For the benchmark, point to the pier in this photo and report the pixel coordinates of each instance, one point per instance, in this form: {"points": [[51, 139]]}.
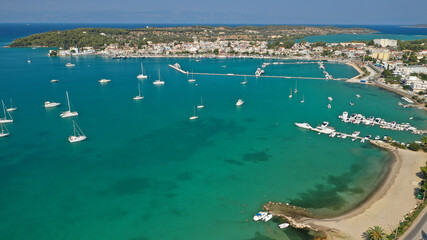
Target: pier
{"points": [[250, 75]]}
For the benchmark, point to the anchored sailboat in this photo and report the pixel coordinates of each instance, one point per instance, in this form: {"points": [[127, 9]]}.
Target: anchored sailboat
{"points": [[244, 81], [201, 103], [296, 86], [68, 113], [194, 116], [139, 97], [192, 78], [142, 76], [302, 101], [290, 95], [4, 132], [78, 134], [11, 109], [6, 113], [159, 81]]}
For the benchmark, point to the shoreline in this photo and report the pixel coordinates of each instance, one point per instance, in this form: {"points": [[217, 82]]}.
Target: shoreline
{"points": [[395, 191]]}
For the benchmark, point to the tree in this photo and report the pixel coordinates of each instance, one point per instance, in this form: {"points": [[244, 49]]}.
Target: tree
{"points": [[414, 146], [375, 233]]}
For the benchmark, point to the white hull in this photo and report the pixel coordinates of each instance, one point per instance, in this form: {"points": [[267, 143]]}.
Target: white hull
{"points": [[68, 114], [200, 106], [70, 65], [4, 135], [104, 81], [158, 82], [6, 120], [304, 125], [194, 117], [239, 102], [191, 80], [138, 98], [11, 109], [141, 76], [51, 104], [260, 216], [283, 225], [54, 81], [268, 217], [73, 139]]}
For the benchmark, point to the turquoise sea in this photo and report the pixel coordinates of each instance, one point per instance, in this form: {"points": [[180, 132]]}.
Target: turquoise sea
{"points": [[148, 172]]}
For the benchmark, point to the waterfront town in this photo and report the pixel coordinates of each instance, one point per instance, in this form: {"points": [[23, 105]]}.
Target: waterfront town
{"points": [[406, 70]]}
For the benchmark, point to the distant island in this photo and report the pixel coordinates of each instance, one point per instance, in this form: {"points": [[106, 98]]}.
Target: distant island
{"points": [[102, 37], [416, 26]]}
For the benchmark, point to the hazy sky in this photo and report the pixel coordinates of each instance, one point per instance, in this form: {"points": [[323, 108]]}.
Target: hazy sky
{"points": [[216, 11]]}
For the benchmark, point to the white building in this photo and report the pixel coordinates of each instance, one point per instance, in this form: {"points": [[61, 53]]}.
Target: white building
{"points": [[386, 42]]}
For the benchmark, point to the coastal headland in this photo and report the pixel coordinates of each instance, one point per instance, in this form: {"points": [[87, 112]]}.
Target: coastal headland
{"points": [[385, 207]]}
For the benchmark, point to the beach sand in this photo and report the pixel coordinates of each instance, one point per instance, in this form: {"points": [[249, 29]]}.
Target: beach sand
{"points": [[387, 206]]}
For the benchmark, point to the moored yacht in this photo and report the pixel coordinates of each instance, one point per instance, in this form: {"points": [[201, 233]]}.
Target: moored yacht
{"points": [[201, 103], [239, 102], [290, 95], [330, 99], [159, 81], [141, 76], [260, 216], [70, 64], [5, 114], [54, 80], [4, 132], [304, 125], [103, 80], [78, 134], [194, 117], [139, 97], [192, 78], [49, 104], [12, 108], [68, 113]]}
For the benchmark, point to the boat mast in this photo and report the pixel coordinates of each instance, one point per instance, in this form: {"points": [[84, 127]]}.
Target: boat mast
{"points": [[4, 109], [194, 111], [139, 89], [74, 126], [142, 70], [68, 100]]}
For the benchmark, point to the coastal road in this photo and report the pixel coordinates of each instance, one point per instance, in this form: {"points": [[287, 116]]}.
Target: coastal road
{"points": [[418, 231]]}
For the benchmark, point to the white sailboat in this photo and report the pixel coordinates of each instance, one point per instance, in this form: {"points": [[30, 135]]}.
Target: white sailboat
{"points": [[194, 117], [78, 134], [70, 64], [4, 132], [11, 109], [142, 76], [296, 86], [239, 102], [5, 120], [201, 103], [244, 81], [54, 80], [159, 81], [139, 97], [329, 106], [192, 78], [330, 99], [103, 80], [68, 113], [302, 101], [49, 104], [29, 60], [290, 95]]}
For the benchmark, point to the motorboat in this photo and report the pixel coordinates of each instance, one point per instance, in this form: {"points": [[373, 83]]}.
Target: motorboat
{"points": [[103, 80], [283, 225], [49, 104], [330, 99], [357, 95], [239, 102], [329, 106], [268, 217], [304, 125], [54, 80], [260, 216]]}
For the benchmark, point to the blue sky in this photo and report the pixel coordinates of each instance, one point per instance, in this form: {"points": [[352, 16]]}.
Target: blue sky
{"points": [[216, 11]]}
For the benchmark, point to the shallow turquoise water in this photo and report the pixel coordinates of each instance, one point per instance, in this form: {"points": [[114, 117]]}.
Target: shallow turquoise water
{"points": [[147, 172]]}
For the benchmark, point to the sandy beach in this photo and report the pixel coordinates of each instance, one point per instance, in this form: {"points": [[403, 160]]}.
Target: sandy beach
{"points": [[387, 206]]}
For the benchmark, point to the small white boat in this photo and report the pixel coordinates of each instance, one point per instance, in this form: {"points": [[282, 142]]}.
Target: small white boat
{"points": [[357, 95], [201, 103], [363, 140], [54, 80], [5, 114], [260, 216], [68, 113], [239, 102], [304, 125], [4, 132], [244, 81], [290, 95], [28, 61], [159, 81], [329, 106], [377, 137], [354, 139], [330, 99], [78, 134], [296, 85], [351, 103], [283, 225], [70, 64], [142, 76], [103, 80], [302, 101], [12, 108], [194, 117], [268, 217], [344, 136], [49, 104], [192, 78], [139, 97]]}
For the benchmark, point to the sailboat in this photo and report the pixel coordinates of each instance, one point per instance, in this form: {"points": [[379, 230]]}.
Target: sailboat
{"points": [[28, 61], [201, 103], [70, 64], [192, 78], [329, 106], [290, 95], [139, 97], [5, 120], [78, 134], [244, 81], [302, 101], [194, 116], [11, 109], [159, 81], [4, 132], [142, 76], [296, 85], [68, 113]]}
